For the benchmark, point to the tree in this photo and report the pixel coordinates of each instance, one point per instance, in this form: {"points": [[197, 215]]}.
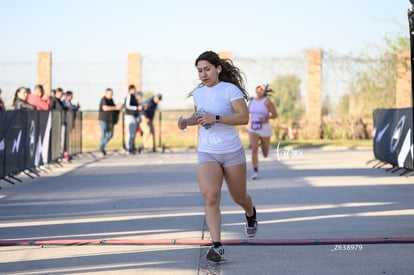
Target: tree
{"points": [[343, 105], [327, 106], [286, 96], [374, 87]]}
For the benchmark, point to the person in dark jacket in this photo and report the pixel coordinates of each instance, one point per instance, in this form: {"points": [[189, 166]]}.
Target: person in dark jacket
{"points": [[20, 100], [57, 103], [67, 101], [2, 106], [147, 121], [108, 115]]}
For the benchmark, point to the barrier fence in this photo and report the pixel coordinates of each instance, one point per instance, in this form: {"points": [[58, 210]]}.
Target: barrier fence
{"points": [[393, 142], [29, 139]]}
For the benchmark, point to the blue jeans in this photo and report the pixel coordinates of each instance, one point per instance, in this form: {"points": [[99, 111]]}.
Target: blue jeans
{"points": [[131, 126], [107, 131]]}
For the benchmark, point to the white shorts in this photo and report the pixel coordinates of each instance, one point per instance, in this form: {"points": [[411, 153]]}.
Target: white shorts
{"points": [[265, 131]]}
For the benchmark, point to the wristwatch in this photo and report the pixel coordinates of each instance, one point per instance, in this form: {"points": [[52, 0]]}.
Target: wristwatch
{"points": [[218, 118]]}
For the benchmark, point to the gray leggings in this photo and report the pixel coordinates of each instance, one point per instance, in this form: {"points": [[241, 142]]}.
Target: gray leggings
{"points": [[225, 160]]}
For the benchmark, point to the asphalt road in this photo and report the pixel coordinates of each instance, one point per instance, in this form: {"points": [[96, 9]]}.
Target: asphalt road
{"points": [[320, 211]]}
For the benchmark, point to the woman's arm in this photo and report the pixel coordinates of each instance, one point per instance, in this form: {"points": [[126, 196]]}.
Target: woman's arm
{"points": [[271, 107], [184, 122], [240, 116]]}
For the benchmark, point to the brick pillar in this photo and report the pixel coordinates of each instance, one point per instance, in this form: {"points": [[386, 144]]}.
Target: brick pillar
{"points": [[134, 70], [44, 70], [403, 84], [225, 54], [314, 84]]}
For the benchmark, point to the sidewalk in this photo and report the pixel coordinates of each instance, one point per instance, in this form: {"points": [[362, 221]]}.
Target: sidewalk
{"points": [[302, 198]]}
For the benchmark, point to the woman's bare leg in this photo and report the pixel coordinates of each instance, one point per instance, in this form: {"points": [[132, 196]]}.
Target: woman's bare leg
{"points": [[210, 180], [236, 183]]}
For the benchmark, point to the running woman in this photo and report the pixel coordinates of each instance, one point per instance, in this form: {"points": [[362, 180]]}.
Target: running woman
{"points": [[260, 130], [220, 105]]}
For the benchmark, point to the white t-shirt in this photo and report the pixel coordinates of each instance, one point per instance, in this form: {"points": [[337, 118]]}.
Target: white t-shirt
{"points": [[219, 138]]}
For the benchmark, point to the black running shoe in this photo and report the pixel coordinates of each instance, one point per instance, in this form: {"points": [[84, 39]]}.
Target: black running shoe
{"points": [[251, 225], [215, 254]]}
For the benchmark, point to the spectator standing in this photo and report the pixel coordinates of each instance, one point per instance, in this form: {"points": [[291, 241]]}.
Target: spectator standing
{"points": [[132, 109], [147, 121], [67, 101], [57, 105], [20, 100], [108, 117], [219, 102], [2, 106], [138, 96], [38, 98], [260, 131]]}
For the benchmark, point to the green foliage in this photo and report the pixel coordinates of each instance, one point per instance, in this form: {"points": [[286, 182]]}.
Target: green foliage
{"points": [[286, 97], [327, 106], [399, 41], [343, 105], [375, 86]]}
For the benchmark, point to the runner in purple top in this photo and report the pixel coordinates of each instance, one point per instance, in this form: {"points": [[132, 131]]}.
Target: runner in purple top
{"points": [[261, 111]]}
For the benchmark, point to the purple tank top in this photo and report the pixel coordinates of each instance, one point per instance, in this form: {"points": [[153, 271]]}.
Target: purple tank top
{"points": [[258, 110]]}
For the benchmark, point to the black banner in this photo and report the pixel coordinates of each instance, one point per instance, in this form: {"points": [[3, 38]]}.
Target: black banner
{"points": [[32, 137], [70, 125], [3, 131], [29, 139], [411, 33], [75, 136], [16, 136], [56, 139], [42, 155], [393, 136]]}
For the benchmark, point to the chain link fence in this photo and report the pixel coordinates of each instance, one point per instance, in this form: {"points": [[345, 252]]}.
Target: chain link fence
{"points": [[175, 77]]}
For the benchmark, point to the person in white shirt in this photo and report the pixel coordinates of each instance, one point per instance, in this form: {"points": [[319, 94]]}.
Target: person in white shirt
{"points": [[220, 105]]}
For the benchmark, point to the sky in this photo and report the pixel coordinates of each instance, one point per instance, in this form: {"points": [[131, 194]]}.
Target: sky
{"points": [[93, 32]]}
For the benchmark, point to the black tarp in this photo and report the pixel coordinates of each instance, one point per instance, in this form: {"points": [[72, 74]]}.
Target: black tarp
{"points": [[393, 136], [29, 139]]}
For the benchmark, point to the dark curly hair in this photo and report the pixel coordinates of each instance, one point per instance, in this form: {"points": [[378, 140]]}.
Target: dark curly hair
{"points": [[229, 72]]}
